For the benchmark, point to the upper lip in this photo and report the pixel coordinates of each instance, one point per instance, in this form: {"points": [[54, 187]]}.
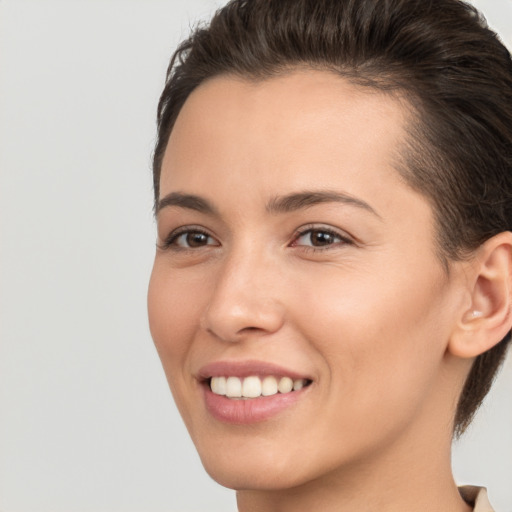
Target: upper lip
{"points": [[246, 369]]}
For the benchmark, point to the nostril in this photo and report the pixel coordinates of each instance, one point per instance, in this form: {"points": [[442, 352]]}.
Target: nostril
{"points": [[234, 316]]}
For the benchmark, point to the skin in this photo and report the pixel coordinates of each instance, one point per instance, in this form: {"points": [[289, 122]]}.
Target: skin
{"points": [[368, 314]]}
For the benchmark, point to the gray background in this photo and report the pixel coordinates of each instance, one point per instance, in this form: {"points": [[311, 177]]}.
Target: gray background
{"points": [[86, 419]]}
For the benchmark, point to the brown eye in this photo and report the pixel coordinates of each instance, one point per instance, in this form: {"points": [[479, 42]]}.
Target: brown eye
{"points": [[318, 238], [191, 239], [196, 239]]}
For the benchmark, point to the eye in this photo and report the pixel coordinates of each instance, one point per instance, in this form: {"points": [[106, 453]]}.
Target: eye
{"points": [[187, 238], [319, 238]]}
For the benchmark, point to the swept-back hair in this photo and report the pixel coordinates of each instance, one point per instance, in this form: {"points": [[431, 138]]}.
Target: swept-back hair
{"points": [[440, 55]]}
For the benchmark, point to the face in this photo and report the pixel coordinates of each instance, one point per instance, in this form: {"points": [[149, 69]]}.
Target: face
{"points": [[292, 256]]}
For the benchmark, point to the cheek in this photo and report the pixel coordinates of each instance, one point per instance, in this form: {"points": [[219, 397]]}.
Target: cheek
{"points": [[382, 340], [173, 312]]}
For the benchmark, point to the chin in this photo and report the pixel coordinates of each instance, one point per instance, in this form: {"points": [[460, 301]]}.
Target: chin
{"points": [[259, 468], [254, 477], [267, 468]]}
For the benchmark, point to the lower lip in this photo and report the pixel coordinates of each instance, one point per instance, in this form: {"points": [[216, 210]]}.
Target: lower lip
{"points": [[252, 410]]}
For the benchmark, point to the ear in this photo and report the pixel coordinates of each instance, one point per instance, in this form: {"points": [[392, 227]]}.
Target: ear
{"points": [[489, 318]]}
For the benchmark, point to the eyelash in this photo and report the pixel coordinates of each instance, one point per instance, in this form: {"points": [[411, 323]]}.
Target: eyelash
{"points": [[171, 241], [341, 239]]}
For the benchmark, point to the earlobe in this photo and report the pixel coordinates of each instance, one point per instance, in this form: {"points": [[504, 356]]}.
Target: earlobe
{"points": [[489, 318]]}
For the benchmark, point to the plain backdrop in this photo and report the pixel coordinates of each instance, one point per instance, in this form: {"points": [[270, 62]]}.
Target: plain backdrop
{"points": [[86, 420]]}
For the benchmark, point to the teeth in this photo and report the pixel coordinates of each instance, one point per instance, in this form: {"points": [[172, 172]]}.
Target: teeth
{"points": [[218, 385], [251, 387], [254, 387], [233, 387], [285, 385], [269, 386], [298, 384]]}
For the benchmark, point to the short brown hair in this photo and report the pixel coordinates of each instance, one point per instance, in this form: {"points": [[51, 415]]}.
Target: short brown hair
{"points": [[440, 54]]}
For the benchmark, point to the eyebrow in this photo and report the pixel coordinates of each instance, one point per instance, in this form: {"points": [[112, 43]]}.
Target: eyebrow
{"points": [[306, 199], [189, 201], [279, 204]]}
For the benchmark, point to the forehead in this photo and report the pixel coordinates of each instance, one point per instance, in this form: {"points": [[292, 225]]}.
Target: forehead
{"points": [[301, 129]]}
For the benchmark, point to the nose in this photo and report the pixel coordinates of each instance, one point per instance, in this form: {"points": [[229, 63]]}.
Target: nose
{"points": [[245, 299]]}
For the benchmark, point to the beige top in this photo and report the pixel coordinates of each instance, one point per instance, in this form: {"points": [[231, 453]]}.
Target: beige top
{"points": [[477, 497]]}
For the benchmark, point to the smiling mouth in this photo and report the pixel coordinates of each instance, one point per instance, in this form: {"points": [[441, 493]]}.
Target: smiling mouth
{"points": [[254, 386]]}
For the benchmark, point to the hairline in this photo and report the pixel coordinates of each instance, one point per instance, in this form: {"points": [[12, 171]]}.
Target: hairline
{"points": [[408, 149]]}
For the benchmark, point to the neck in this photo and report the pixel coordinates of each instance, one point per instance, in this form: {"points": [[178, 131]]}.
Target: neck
{"points": [[407, 477]]}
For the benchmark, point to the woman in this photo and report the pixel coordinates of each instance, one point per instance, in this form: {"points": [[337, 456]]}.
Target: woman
{"points": [[331, 293]]}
